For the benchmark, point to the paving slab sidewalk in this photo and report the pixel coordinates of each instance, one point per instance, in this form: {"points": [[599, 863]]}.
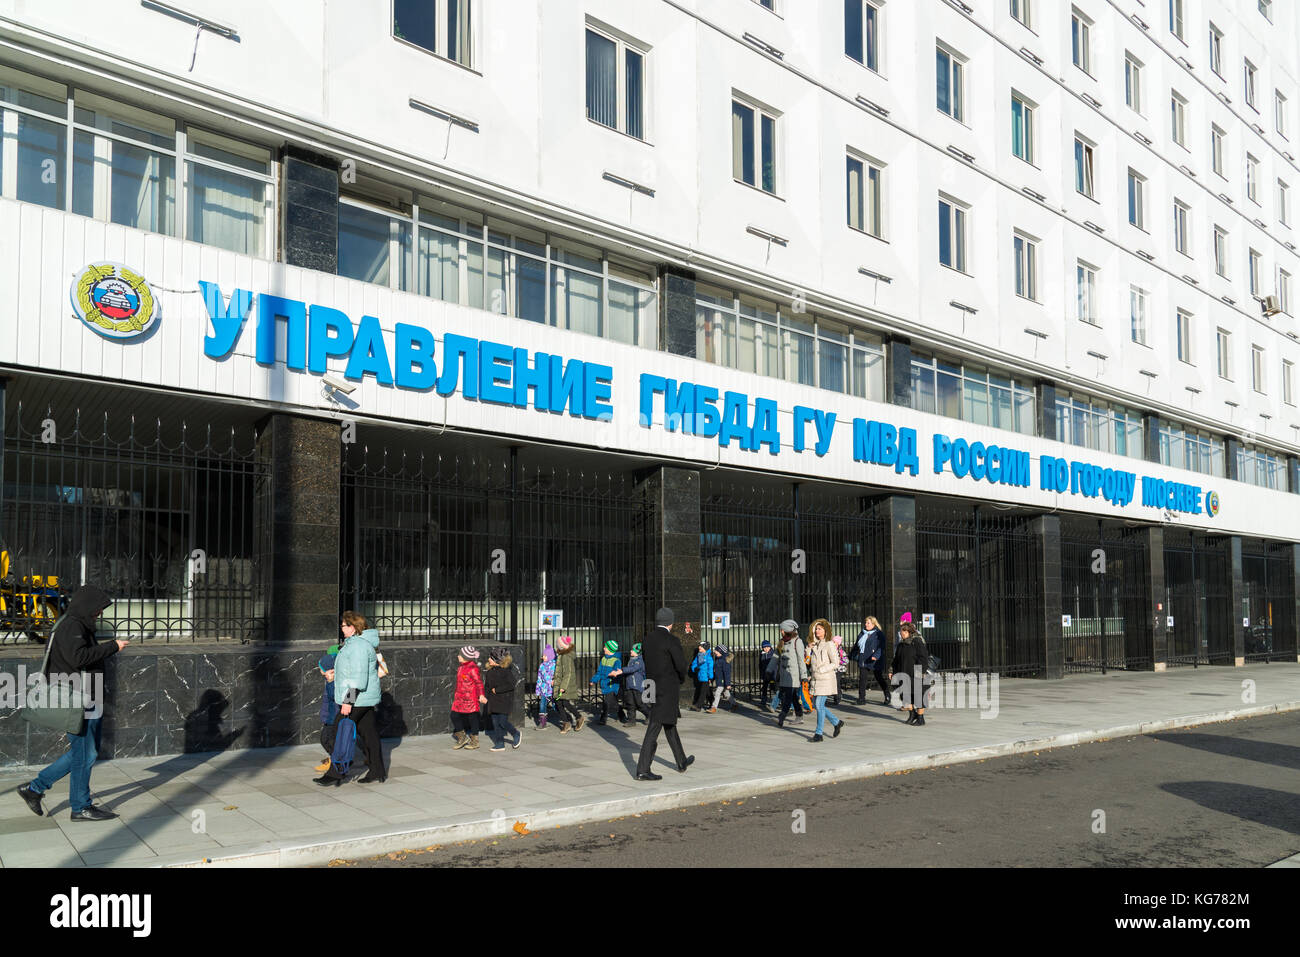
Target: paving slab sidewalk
{"points": [[259, 807]]}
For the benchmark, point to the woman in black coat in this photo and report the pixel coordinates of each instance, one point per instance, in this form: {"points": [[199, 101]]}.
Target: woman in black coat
{"points": [[910, 687]]}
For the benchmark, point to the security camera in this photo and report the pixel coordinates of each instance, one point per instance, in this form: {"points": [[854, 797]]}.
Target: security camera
{"points": [[335, 384]]}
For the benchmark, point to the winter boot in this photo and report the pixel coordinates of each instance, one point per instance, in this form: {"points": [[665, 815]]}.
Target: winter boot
{"points": [[564, 728], [461, 740], [582, 721], [920, 720], [541, 723], [473, 743]]}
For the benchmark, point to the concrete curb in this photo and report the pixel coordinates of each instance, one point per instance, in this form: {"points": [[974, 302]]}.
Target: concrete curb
{"points": [[357, 844]]}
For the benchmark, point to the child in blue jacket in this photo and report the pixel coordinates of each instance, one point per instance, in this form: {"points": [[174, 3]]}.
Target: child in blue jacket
{"points": [[722, 678], [702, 669], [632, 675]]}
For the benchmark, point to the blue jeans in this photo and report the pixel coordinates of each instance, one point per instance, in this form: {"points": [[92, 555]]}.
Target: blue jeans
{"points": [[819, 702], [501, 726], [541, 705], [79, 759]]}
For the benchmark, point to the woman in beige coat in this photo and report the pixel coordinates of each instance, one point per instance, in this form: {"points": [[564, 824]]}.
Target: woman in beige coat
{"points": [[825, 682]]}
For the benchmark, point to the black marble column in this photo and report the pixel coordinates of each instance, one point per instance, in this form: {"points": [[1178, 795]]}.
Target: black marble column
{"points": [[1231, 447], [674, 495], [898, 367], [302, 549], [311, 210], [899, 565], [1151, 438], [1292, 554], [677, 311], [1046, 530], [1292, 470], [1045, 398], [1236, 601], [1157, 605]]}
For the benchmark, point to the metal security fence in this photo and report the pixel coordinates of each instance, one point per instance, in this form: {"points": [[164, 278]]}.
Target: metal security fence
{"points": [[480, 545], [162, 516], [1105, 581], [976, 575], [786, 551], [1198, 599], [1269, 606]]}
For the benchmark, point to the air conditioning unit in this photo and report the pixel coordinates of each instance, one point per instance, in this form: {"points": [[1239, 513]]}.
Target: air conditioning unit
{"points": [[1270, 305]]}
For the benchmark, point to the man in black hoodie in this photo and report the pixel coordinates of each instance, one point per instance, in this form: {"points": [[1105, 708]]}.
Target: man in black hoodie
{"points": [[73, 650]]}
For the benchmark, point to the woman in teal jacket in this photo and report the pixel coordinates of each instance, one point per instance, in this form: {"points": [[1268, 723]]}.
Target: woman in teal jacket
{"points": [[356, 691]]}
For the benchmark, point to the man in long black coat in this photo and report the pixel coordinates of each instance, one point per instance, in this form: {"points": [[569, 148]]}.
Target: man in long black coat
{"points": [[665, 666]]}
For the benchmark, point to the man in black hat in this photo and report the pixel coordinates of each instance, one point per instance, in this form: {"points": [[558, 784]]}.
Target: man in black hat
{"points": [[665, 669]]}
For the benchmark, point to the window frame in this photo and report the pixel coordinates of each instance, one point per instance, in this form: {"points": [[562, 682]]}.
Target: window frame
{"points": [[1137, 314], [1216, 51], [441, 39], [1086, 293], [759, 113], [1025, 17], [1177, 20], [1085, 162], [1223, 353], [877, 195], [1135, 198], [1178, 118], [1283, 202], [622, 46], [956, 78], [1220, 252], [958, 225], [1081, 40], [1252, 178], [1183, 336], [1258, 372], [1253, 260], [1133, 83], [871, 53], [1288, 382], [1249, 85], [1284, 290], [1279, 114], [1182, 227], [1217, 150], [1028, 110], [1024, 254]]}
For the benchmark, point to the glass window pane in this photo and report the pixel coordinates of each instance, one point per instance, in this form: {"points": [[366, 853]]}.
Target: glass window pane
{"points": [[943, 95], [227, 210], [364, 237], [945, 233], [458, 27], [854, 191], [948, 395], [413, 20], [575, 301], [833, 366], [602, 80], [708, 334], [41, 157], [142, 188], [769, 154], [853, 29], [923, 392], [800, 357], [742, 143], [438, 266], [530, 289], [633, 82]]}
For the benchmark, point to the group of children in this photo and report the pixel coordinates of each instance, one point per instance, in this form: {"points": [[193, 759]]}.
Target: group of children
{"points": [[619, 685], [711, 669]]}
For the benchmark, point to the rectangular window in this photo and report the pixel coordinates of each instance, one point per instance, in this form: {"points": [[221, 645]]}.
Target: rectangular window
{"points": [[1252, 179], [1224, 340], [1025, 252], [753, 146], [861, 32], [1216, 50], [1020, 11], [1279, 113], [952, 234], [1181, 233], [1254, 272], [1086, 284], [972, 394], [1288, 370], [769, 4], [1283, 203], [1080, 41], [1284, 290], [1221, 251], [1257, 370], [1178, 119], [1187, 449], [1083, 166], [615, 84], [1183, 322], [1250, 85], [1098, 425], [1266, 8], [443, 27], [1216, 150], [231, 194], [1176, 18], [373, 245], [864, 178], [1137, 199], [1137, 309], [1132, 83], [949, 79], [1022, 128]]}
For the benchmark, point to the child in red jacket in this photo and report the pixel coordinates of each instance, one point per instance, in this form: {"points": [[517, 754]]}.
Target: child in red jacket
{"points": [[469, 695]]}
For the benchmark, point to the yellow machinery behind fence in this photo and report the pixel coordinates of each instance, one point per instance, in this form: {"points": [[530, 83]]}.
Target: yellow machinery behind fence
{"points": [[28, 605]]}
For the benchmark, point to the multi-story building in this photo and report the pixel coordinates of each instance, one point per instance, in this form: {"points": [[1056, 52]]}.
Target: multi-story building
{"points": [[983, 311]]}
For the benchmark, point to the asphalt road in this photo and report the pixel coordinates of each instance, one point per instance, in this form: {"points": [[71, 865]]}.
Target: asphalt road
{"points": [[1222, 795]]}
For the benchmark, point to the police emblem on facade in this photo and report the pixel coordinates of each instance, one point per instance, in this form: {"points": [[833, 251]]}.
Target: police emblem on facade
{"points": [[114, 301], [1212, 504]]}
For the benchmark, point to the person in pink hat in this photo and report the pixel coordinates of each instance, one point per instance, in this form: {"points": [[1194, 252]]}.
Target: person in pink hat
{"points": [[469, 697], [566, 684]]}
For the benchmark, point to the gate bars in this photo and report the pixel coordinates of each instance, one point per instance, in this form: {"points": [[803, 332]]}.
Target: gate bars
{"points": [[476, 546], [163, 519], [1105, 581]]}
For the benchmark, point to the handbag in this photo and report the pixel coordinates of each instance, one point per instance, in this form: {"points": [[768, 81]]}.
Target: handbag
{"points": [[68, 717]]}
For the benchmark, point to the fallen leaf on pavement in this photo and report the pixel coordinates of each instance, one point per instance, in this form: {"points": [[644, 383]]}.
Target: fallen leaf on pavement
{"points": [[520, 827]]}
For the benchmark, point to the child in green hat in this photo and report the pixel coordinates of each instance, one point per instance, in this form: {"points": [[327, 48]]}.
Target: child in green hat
{"points": [[632, 677], [606, 683]]}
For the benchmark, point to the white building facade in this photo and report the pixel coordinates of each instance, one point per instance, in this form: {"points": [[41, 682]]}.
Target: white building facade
{"points": [[891, 237]]}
